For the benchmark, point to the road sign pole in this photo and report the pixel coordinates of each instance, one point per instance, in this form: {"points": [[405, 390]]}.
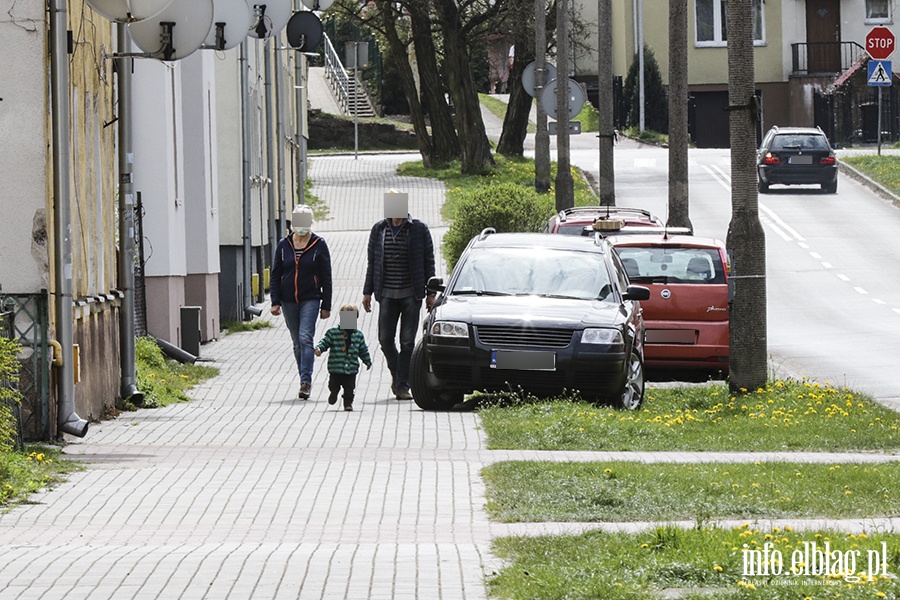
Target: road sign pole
{"points": [[879, 121]]}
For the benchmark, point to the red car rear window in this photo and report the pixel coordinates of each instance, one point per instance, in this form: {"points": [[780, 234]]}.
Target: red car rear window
{"points": [[672, 264]]}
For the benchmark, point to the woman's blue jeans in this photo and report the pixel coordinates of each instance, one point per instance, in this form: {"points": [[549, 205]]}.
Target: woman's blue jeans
{"points": [[300, 318]]}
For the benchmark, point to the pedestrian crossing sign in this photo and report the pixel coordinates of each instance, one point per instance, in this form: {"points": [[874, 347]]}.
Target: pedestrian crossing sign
{"points": [[880, 72]]}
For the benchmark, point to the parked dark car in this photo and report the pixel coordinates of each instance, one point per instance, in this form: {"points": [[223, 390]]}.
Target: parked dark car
{"points": [[544, 313], [796, 156]]}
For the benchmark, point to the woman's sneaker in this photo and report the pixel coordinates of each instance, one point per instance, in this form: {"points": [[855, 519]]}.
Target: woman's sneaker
{"points": [[305, 389]]}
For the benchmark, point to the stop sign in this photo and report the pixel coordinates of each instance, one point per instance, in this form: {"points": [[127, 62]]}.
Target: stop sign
{"points": [[880, 43]]}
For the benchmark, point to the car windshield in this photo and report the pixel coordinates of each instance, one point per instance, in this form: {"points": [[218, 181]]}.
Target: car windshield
{"points": [[533, 271], [672, 265], [799, 142]]}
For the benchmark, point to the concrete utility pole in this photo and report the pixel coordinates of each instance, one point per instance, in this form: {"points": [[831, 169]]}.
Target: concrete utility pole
{"points": [[542, 137], [678, 115], [607, 179], [565, 186]]}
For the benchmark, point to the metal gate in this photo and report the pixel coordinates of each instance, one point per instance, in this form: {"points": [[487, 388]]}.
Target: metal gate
{"points": [[28, 322]]}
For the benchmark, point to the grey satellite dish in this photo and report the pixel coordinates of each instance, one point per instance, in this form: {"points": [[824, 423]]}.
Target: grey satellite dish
{"points": [[304, 31], [575, 100], [529, 78], [126, 11], [176, 32], [317, 4], [271, 17], [231, 21]]}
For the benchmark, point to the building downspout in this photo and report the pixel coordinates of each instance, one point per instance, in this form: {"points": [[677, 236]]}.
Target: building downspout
{"points": [[270, 163], [68, 420], [128, 389], [247, 296]]}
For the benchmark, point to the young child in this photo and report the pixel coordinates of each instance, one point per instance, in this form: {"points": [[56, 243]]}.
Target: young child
{"points": [[348, 347]]}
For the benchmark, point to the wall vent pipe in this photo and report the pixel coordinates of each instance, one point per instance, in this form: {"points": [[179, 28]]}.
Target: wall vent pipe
{"points": [[68, 420]]}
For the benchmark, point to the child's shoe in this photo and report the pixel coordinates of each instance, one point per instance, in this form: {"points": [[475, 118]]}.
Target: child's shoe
{"points": [[348, 407], [332, 397]]}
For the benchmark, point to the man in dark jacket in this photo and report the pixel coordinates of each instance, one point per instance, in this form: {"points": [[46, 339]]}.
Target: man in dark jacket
{"points": [[300, 288], [401, 260]]}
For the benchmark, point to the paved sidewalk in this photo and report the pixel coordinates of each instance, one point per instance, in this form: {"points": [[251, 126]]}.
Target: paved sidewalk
{"points": [[247, 492]]}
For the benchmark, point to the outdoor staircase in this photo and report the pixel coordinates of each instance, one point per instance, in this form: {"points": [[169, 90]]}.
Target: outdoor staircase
{"points": [[348, 90]]}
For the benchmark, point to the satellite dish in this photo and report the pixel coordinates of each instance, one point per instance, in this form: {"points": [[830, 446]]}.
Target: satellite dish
{"points": [[231, 21], [529, 76], [271, 17], [126, 11], [304, 31], [177, 31], [575, 100], [317, 4]]}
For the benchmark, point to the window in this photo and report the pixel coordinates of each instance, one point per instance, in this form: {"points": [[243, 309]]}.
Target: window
{"points": [[878, 11], [712, 22]]}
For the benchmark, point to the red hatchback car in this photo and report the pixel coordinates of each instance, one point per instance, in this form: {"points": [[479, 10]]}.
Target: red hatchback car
{"points": [[687, 313]]}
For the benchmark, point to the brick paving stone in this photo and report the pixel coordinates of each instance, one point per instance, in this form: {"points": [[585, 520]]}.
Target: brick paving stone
{"points": [[248, 492]]}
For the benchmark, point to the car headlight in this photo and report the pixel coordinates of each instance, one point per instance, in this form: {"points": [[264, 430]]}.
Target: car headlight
{"points": [[450, 329], [601, 336]]}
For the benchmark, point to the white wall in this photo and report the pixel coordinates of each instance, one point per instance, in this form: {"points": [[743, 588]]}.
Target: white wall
{"points": [[228, 137], [24, 176], [200, 162]]}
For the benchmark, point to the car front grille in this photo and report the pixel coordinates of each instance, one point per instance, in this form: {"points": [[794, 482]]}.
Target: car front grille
{"points": [[532, 337]]}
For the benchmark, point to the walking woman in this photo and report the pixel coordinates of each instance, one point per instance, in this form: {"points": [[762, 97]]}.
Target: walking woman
{"points": [[300, 289]]}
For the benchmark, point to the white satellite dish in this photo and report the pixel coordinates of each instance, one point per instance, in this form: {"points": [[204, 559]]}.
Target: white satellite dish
{"points": [[186, 22], [126, 11], [317, 4], [270, 17], [231, 21]]}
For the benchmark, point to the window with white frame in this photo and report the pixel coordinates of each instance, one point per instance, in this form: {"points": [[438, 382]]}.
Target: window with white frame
{"points": [[878, 11], [711, 18]]}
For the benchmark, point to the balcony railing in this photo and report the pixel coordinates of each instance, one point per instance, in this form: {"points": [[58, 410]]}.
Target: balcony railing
{"points": [[812, 58]]}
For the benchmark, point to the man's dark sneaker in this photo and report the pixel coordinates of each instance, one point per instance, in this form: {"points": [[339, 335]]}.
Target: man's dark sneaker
{"points": [[348, 407], [332, 397], [394, 388], [305, 389], [404, 395]]}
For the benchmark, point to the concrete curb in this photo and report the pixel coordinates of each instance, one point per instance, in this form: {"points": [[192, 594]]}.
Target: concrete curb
{"points": [[868, 182]]}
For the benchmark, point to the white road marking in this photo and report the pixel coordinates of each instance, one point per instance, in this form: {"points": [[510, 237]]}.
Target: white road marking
{"points": [[827, 265], [843, 277], [816, 255], [859, 290], [877, 301]]}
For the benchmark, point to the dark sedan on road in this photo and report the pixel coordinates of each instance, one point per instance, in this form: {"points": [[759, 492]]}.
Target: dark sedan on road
{"points": [[538, 312], [796, 156]]}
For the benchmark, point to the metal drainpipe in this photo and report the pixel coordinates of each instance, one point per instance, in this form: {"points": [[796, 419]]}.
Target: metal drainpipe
{"points": [[67, 419], [279, 109], [270, 163], [247, 298], [301, 114], [127, 359]]}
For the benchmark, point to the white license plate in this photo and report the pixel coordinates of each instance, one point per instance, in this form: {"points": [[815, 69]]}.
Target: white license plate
{"points": [[523, 360], [800, 160]]}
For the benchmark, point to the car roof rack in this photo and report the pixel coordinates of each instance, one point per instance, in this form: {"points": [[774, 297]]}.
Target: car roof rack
{"points": [[486, 232], [594, 209]]}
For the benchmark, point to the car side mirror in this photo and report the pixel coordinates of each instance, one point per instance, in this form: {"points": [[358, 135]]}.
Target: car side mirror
{"points": [[636, 292], [435, 284]]}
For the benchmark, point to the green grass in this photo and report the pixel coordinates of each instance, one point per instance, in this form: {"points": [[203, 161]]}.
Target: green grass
{"points": [[24, 473], [518, 171], [164, 381], [701, 563], [884, 169], [786, 415], [647, 136], [241, 326], [631, 491]]}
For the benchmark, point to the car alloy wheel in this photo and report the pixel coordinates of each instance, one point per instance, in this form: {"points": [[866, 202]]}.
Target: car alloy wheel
{"points": [[633, 394]]}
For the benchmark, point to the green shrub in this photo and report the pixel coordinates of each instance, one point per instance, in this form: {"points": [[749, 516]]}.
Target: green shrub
{"points": [[506, 207], [9, 392], [656, 102]]}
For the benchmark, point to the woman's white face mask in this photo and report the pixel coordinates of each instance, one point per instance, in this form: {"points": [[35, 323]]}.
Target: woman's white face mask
{"points": [[301, 231]]}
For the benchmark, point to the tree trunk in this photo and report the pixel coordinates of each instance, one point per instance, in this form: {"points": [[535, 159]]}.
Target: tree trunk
{"points": [[679, 208], [746, 239], [542, 136], [606, 182], [443, 132], [475, 149], [401, 59], [515, 123], [565, 185]]}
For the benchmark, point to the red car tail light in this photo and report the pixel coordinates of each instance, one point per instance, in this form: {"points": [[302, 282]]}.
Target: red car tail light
{"points": [[827, 160], [771, 159]]}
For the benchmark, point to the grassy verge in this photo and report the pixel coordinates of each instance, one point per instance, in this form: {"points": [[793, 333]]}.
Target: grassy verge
{"points": [[647, 136], [631, 491], [786, 415], [691, 564], [24, 473], [230, 327], [884, 169], [588, 117], [508, 170], [163, 381]]}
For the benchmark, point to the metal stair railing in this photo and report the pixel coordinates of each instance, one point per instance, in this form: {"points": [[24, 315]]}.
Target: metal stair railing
{"points": [[337, 76]]}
